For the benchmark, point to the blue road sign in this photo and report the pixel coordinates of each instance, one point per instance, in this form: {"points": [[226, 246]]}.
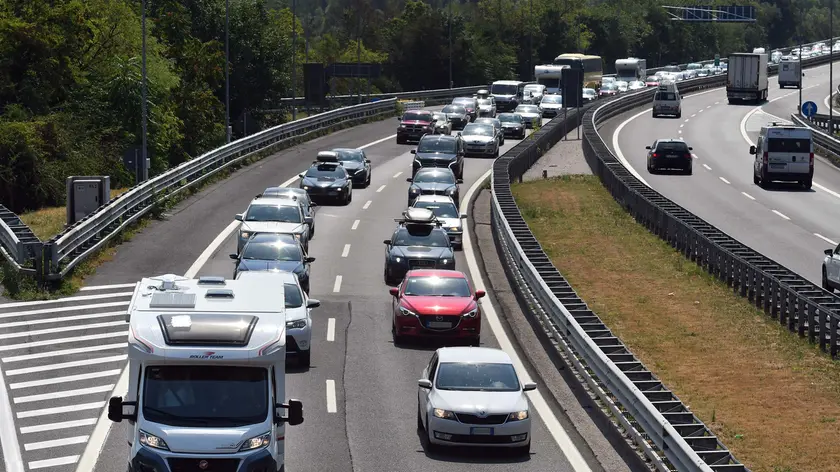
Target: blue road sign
{"points": [[809, 109]]}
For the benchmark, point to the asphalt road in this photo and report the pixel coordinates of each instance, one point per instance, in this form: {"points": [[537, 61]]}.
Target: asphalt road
{"points": [[784, 222]]}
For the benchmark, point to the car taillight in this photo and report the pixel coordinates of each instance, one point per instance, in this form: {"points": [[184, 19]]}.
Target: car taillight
{"points": [[654, 155], [811, 160], [766, 157], [688, 155]]}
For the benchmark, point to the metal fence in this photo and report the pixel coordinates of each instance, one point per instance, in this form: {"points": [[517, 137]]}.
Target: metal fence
{"points": [[431, 97], [825, 144]]}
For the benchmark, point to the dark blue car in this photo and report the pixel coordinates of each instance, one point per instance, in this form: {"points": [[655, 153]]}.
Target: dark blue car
{"points": [[274, 252]]}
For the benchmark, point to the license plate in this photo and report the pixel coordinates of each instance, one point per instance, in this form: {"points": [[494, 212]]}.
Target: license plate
{"points": [[672, 156], [777, 166], [439, 324], [481, 431]]}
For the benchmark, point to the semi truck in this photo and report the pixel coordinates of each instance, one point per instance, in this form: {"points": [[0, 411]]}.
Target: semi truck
{"points": [[630, 69], [747, 77]]}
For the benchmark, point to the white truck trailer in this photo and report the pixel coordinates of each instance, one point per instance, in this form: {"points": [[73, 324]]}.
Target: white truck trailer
{"points": [[747, 77], [630, 69]]}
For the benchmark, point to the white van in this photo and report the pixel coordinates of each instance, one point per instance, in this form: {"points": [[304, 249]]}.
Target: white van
{"points": [[790, 73], [667, 100], [783, 153]]}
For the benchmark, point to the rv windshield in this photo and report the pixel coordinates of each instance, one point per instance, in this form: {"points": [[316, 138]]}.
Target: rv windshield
{"points": [[205, 396], [503, 89]]}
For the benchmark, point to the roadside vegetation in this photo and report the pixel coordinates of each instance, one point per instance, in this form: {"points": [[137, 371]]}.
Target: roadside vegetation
{"points": [[773, 399]]}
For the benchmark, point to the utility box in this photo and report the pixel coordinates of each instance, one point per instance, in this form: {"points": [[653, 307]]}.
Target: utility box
{"points": [[85, 194]]}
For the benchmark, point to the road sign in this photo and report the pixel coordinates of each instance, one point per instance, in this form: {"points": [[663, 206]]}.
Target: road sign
{"points": [[717, 60], [809, 109]]}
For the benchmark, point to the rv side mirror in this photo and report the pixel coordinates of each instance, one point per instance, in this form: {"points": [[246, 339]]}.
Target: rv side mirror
{"points": [[752, 149], [529, 386], [409, 179], [308, 220], [647, 147], [312, 303], [424, 383], [238, 217], [459, 181], [414, 151], [295, 416], [829, 252], [312, 204], [387, 241], [690, 148], [119, 410], [480, 294], [367, 161], [394, 291], [233, 256], [309, 259]]}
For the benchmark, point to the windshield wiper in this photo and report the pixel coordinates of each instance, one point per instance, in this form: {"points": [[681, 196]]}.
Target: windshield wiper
{"points": [[173, 416]]}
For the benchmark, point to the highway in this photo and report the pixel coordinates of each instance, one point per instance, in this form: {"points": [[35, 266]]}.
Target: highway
{"points": [[360, 393], [784, 222]]}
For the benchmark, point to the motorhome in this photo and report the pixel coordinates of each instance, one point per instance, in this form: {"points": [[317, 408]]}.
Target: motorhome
{"points": [[631, 69], [550, 75], [206, 375]]}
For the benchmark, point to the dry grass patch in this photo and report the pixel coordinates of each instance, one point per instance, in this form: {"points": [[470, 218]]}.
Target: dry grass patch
{"points": [[47, 222], [772, 398]]}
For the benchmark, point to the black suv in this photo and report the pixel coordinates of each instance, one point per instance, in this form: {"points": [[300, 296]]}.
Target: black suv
{"points": [[435, 150], [669, 154]]}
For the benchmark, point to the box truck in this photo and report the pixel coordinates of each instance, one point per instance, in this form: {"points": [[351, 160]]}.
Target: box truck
{"points": [[747, 77], [790, 73]]}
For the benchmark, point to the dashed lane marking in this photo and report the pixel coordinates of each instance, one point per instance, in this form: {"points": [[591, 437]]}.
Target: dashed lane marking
{"points": [[331, 402], [331, 329], [707, 167], [355, 225], [397, 174], [781, 214], [724, 180], [833, 243], [748, 195], [380, 189], [337, 285], [367, 204], [346, 251]]}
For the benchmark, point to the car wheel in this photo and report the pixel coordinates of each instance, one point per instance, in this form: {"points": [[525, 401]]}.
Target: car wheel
{"points": [[807, 184], [825, 284], [305, 358], [398, 340], [756, 180], [502, 141], [367, 182]]}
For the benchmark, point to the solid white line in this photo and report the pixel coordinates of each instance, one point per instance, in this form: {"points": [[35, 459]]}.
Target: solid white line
{"points": [[617, 147], [60, 409], [561, 437], [79, 298], [106, 287], [53, 462], [55, 443], [100, 432], [367, 204], [8, 436], [748, 195], [56, 426], [66, 378], [337, 285], [49, 342], [377, 142], [64, 352], [64, 394], [331, 406], [331, 329], [833, 243], [45, 311], [355, 225], [346, 250], [397, 174], [380, 189], [707, 167], [62, 329], [61, 319], [211, 249], [780, 214], [724, 180], [64, 365]]}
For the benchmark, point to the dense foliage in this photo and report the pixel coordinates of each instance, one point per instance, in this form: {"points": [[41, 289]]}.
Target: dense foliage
{"points": [[70, 69]]}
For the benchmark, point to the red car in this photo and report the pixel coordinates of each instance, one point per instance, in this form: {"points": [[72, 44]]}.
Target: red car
{"points": [[436, 303]]}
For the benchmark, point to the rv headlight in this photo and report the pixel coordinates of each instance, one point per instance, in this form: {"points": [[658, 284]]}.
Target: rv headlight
{"points": [[244, 234], [297, 324], [150, 440], [256, 442]]}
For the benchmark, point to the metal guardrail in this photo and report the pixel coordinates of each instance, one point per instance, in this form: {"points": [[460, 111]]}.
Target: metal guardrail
{"points": [[826, 145], [431, 97]]}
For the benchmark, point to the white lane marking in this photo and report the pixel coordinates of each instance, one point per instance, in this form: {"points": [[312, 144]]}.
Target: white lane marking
{"points": [[833, 243], [707, 167], [682, 125], [8, 436], [695, 156], [64, 352], [679, 131], [709, 106], [53, 462], [73, 339], [355, 225], [66, 378], [64, 365], [377, 142], [331, 329], [64, 394], [47, 311], [61, 329], [106, 287], [397, 174], [701, 111], [346, 250], [337, 284], [380, 189], [331, 404], [367, 204], [60, 319], [55, 443], [692, 116], [781, 214], [60, 409], [717, 103], [561, 437], [56, 426], [748, 195], [211, 249], [79, 298], [686, 120], [724, 180]]}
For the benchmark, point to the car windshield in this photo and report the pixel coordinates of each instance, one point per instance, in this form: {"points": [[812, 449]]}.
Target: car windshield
{"points": [[652, 79], [205, 396], [788, 145], [612, 86], [434, 175], [587, 91], [552, 99], [440, 209], [261, 251], [421, 236], [665, 96], [440, 116], [293, 297], [510, 118], [326, 172], [503, 89], [417, 116], [437, 287], [283, 213], [533, 88], [478, 130], [485, 102], [437, 145], [477, 377], [354, 155], [454, 109], [527, 109]]}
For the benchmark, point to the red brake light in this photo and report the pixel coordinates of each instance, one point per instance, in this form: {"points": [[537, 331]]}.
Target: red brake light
{"points": [[811, 161], [654, 155], [688, 155]]}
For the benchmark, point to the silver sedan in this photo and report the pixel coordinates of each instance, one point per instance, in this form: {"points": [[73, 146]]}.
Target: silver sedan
{"points": [[531, 114]]}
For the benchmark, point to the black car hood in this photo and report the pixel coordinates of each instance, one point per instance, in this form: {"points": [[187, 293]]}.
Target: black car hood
{"points": [[323, 182], [263, 265], [421, 252], [433, 186]]}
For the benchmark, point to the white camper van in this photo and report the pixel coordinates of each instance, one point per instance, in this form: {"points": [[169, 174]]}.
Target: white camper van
{"points": [[206, 370]]}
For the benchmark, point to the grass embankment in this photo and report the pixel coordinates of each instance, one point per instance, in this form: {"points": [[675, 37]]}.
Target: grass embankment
{"points": [[772, 398]]}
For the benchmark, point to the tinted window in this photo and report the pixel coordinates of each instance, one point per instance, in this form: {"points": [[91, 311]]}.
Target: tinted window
{"points": [[510, 118], [672, 147], [350, 155], [434, 176], [440, 209], [437, 286], [206, 396], [417, 116], [286, 213], [788, 145], [437, 145], [331, 172], [271, 252], [421, 236], [500, 89], [293, 297], [665, 96], [478, 130], [478, 377], [454, 109]]}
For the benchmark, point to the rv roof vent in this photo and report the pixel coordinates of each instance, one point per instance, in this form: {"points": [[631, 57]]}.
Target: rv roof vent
{"points": [[219, 293], [172, 300], [211, 280]]}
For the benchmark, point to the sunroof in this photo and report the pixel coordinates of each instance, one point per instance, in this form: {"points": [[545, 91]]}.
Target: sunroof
{"points": [[207, 329]]}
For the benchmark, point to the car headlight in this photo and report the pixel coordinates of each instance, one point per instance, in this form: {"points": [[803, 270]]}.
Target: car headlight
{"points": [[398, 259], [244, 234], [150, 440], [406, 312], [298, 236], [402, 126], [454, 228], [297, 324], [444, 261], [471, 314], [518, 415], [447, 415], [306, 187], [451, 190], [256, 442], [414, 190]]}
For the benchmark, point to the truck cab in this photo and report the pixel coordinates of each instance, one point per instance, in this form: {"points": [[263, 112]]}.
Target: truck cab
{"points": [[206, 376]]}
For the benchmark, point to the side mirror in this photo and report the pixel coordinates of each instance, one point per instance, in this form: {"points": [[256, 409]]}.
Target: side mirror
{"points": [[463, 215], [690, 148], [117, 410], [239, 217], [529, 386], [394, 291], [414, 151], [387, 242], [233, 256], [647, 147], [752, 149], [301, 175], [480, 294], [312, 205], [424, 383], [829, 252], [308, 220], [409, 179], [312, 303], [309, 259], [459, 181], [295, 417], [367, 161]]}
